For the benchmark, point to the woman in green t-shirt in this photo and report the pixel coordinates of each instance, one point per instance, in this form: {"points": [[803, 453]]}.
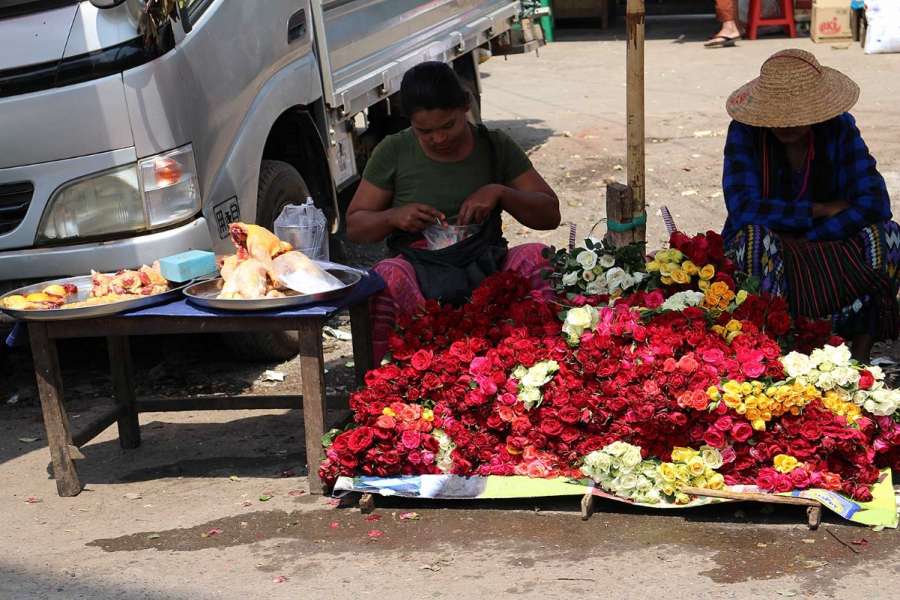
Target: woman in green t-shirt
{"points": [[443, 169]]}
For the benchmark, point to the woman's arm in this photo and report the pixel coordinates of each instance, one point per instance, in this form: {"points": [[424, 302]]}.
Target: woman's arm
{"points": [[528, 198], [867, 201], [742, 185], [370, 217]]}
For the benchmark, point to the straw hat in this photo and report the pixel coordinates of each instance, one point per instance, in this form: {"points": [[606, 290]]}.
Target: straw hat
{"points": [[792, 90]]}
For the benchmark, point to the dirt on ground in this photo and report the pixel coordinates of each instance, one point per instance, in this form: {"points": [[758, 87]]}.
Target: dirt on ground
{"points": [[217, 504]]}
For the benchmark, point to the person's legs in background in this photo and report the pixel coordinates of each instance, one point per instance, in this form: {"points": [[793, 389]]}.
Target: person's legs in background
{"points": [[401, 296], [726, 14]]}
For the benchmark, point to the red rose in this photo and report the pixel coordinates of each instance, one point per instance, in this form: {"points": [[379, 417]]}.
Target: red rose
{"points": [[862, 493], [800, 478], [741, 431], [783, 484], [714, 438], [360, 439], [778, 323], [724, 423], [551, 427], [766, 479], [422, 359], [866, 380]]}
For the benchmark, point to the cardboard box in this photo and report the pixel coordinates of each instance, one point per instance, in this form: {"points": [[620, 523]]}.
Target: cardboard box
{"points": [[830, 21]]}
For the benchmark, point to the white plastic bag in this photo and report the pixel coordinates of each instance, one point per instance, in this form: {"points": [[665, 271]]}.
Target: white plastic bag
{"points": [[300, 274], [883, 33], [305, 228]]}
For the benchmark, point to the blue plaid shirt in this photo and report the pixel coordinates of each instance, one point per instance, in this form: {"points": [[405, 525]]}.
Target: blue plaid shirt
{"points": [[856, 181]]}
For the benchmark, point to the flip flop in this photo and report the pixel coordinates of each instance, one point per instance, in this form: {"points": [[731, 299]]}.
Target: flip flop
{"points": [[721, 41]]}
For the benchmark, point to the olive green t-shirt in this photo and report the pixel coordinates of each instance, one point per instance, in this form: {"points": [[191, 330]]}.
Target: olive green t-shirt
{"points": [[398, 164]]}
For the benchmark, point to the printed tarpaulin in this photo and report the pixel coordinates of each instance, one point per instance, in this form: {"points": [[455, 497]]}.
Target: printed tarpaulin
{"points": [[880, 512]]}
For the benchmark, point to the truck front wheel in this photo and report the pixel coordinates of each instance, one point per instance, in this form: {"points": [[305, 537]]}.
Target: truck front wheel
{"points": [[280, 184]]}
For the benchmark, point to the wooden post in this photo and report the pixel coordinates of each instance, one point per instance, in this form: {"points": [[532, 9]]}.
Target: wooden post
{"points": [[56, 421], [122, 371], [312, 374], [634, 106], [361, 329]]}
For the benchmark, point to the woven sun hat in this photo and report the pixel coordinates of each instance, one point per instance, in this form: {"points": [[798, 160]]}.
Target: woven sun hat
{"points": [[792, 90]]}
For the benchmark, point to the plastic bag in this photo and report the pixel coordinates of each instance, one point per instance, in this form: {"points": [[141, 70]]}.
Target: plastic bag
{"points": [[300, 274], [883, 32], [305, 228]]}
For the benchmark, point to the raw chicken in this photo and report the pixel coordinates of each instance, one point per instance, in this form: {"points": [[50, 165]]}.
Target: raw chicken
{"points": [[248, 280], [257, 242]]}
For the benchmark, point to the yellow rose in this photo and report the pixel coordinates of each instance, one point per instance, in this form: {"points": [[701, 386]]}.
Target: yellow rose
{"points": [[696, 466], [689, 268], [676, 255], [713, 392], [732, 387], [682, 498], [741, 296], [703, 285], [666, 280], [740, 409], [785, 463], [667, 472], [732, 401], [682, 473], [731, 336], [718, 328], [652, 266], [387, 411], [758, 425], [665, 269], [680, 277], [427, 414], [668, 489], [707, 272], [699, 482], [682, 454], [715, 481]]}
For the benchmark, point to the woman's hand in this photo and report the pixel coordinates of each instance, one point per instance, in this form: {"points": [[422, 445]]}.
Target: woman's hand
{"points": [[415, 217], [826, 210], [478, 207]]}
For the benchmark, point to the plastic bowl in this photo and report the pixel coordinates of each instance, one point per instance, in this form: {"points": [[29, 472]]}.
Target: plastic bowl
{"points": [[439, 237]]}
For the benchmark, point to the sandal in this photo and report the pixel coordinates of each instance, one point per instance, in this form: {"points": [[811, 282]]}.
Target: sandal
{"points": [[721, 41]]}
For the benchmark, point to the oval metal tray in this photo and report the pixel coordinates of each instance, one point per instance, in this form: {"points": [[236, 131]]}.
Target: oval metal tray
{"points": [[205, 294], [84, 284]]}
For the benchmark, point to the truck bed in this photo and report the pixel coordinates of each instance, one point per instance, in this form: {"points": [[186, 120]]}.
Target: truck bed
{"points": [[367, 45]]}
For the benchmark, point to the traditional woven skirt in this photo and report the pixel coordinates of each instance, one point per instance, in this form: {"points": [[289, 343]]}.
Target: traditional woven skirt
{"points": [[854, 282]]}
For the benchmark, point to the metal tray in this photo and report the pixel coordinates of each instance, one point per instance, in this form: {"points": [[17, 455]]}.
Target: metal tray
{"points": [[84, 284], [204, 293]]}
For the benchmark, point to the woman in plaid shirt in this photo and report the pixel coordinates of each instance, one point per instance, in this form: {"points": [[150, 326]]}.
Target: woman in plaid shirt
{"points": [[808, 212]]}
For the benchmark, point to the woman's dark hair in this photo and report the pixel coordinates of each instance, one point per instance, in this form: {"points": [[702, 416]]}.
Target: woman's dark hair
{"points": [[432, 85]]}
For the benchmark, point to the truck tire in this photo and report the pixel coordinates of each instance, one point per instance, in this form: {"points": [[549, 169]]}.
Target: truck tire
{"points": [[280, 184]]}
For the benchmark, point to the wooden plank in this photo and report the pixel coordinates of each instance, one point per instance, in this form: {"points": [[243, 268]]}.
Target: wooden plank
{"points": [[130, 326], [95, 427], [634, 104], [750, 496], [312, 373], [619, 200], [588, 504], [180, 404], [361, 328], [56, 421], [122, 371], [366, 503]]}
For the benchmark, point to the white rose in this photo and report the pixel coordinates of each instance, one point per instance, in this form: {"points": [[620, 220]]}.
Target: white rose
{"points": [[579, 317], [588, 276], [796, 364], [825, 382], [818, 356], [838, 355], [845, 376], [876, 372], [530, 396], [616, 448], [596, 288], [570, 278], [631, 457], [587, 259], [607, 261], [616, 278], [627, 482]]}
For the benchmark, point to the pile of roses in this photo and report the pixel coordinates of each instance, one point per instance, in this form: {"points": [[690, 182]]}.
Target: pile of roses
{"points": [[522, 382]]}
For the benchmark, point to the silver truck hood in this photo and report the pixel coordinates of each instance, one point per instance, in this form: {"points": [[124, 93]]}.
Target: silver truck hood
{"points": [[35, 38]]}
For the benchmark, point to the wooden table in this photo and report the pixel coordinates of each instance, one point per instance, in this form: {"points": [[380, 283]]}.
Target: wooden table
{"points": [[64, 445]]}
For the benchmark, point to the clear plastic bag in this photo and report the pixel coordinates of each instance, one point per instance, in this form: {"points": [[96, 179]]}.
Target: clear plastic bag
{"points": [[305, 228]]}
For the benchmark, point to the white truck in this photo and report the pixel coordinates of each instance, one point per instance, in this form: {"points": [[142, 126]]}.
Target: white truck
{"points": [[117, 149]]}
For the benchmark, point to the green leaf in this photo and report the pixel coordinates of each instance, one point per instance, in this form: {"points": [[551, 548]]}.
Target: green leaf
{"points": [[329, 436]]}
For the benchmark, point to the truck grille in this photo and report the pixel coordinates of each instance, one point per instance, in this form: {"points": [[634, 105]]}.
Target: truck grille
{"points": [[14, 201]]}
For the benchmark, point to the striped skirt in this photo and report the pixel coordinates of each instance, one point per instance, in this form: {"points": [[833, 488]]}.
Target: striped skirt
{"points": [[854, 282]]}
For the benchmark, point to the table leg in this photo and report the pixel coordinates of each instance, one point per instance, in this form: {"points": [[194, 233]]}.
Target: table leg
{"points": [[361, 328], [122, 371], [56, 421], [312, 373]]}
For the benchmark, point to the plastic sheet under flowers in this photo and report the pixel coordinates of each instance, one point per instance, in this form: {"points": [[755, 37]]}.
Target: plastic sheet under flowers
{"points": [[880, 511]]}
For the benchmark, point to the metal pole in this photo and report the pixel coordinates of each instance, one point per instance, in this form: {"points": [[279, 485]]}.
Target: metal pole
{"points": [[634, 104]]}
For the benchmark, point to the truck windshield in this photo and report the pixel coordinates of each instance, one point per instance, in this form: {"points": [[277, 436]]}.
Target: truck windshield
{"points": [[15, 8]]}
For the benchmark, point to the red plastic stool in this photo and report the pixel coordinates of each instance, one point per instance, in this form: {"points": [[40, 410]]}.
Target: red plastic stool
{"points": [[755, 21]]}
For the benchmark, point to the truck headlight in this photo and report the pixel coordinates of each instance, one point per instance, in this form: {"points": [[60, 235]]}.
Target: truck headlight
{"points": [[169, 182], [158, 191]]}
